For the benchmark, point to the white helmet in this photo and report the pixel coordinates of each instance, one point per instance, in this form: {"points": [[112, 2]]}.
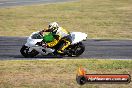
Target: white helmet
{"points": [[53, 26]]}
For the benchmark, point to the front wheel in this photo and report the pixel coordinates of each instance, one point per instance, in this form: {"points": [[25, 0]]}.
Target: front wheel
{"points": [[25, 52], [76, 50]]}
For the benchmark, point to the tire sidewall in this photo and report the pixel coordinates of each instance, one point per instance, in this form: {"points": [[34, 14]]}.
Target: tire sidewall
{"points": [[76, 53]]}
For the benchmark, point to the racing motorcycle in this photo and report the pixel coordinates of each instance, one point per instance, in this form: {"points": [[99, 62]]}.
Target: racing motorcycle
{"points": [[33, 47]]}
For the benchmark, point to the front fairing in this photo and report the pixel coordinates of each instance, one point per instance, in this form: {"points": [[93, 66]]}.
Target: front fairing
{"points": [[33, 39]]}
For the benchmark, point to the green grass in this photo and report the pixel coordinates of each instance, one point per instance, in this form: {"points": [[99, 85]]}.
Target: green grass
{"points": [[58, 73], [97, 18]]}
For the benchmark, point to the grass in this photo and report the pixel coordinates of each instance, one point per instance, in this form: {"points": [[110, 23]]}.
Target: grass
{"points": [[58, 73], [97, 18]]}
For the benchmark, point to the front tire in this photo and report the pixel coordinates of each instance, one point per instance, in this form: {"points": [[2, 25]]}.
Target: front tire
{"points": [[25, 52]]}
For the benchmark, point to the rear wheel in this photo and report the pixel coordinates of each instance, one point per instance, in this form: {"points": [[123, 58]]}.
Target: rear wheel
{"points": [[26, 53], [76, 50]]}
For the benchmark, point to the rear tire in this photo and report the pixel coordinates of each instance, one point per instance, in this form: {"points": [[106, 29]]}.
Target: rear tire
{"points": [[25, 52], [76, 50]]}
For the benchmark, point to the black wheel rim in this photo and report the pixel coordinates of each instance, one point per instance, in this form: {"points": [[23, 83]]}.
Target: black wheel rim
{"points": [[26, 50]]}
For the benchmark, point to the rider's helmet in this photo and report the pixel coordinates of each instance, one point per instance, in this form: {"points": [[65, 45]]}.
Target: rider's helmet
{"points": [[53, 27]]}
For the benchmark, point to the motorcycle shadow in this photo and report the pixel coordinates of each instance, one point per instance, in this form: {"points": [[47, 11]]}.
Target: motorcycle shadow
{"points": [[38, 57]]}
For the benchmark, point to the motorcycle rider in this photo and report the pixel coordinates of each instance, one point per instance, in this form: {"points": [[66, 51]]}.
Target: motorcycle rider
{"points": [[60, 34]]}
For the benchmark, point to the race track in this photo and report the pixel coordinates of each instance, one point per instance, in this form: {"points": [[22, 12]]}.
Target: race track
{"points": [[96, 48], [10, 3]]}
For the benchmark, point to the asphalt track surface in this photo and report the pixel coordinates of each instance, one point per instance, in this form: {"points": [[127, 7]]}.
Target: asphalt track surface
{"points": [[95, 48], [10, 3]]}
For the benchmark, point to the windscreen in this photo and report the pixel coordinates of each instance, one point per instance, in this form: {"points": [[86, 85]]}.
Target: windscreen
{"points": [[36, 36]]}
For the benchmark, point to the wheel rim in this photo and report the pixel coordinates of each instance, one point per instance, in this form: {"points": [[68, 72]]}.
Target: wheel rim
{"points": [[78, 48], [26, 51]]}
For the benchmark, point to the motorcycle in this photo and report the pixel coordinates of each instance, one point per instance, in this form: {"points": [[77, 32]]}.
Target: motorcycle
{"points": [[33, 47]]}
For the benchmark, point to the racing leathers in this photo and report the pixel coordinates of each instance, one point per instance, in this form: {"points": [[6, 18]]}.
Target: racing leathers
{"points": [[60, 35], [49, 40], [65, 39]]}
